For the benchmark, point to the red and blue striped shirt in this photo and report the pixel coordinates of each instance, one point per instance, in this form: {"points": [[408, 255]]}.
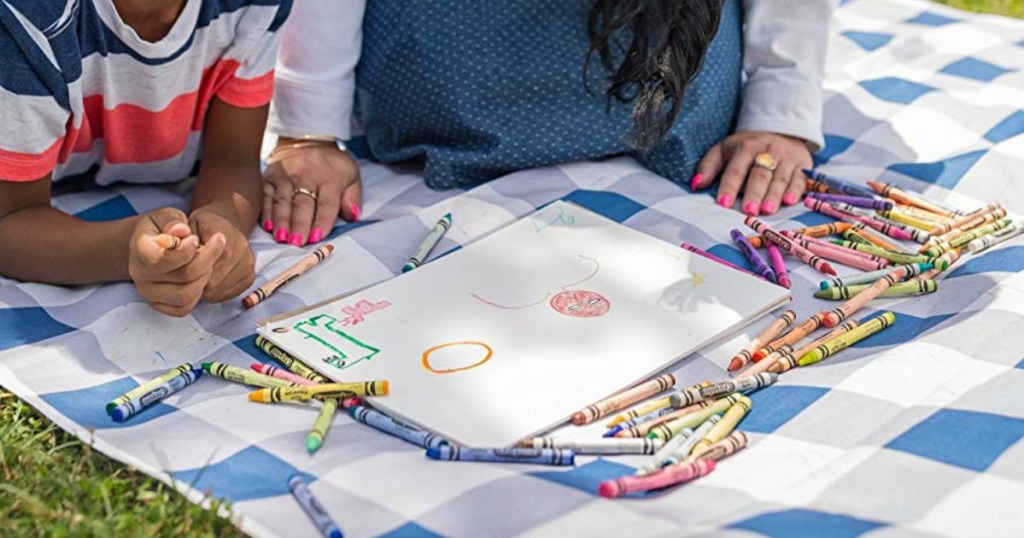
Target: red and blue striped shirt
{"points": [[81, 92]]}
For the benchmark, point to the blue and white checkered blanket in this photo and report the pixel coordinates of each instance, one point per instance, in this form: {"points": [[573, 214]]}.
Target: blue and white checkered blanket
{"points": [[915, 431]]}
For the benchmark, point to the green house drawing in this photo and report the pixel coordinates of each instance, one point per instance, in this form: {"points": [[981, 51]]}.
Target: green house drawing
{"points": [[345, 350]]}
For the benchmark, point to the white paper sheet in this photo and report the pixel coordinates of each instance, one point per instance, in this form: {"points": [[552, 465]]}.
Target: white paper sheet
{"points": [[511, 335]]}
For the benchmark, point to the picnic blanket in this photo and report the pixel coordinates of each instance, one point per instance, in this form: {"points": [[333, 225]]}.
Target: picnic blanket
{"points": [[915, 431]]}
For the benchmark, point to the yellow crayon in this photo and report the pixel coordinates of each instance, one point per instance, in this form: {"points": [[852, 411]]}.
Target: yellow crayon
{"points": [[293, 365], [668, 430], [923, 214], [903, 289], [948, 259], [722, 449], [328, 390], [321, 425], [895, 257], [148, 386], [724, 427], [641, 428], [875, 238], [650, 406], [845, 340], [965, 222], [981, 231], [243, 376], [788, 360], [909, 220]]}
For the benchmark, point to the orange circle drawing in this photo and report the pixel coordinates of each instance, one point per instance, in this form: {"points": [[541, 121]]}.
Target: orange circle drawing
{"points": [[429, 368]]}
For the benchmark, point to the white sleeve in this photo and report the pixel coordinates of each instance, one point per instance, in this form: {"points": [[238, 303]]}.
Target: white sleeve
{"points": [[785, 43], [315, 81]]}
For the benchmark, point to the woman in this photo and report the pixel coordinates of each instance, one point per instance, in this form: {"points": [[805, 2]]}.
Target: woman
{"points": [[481, 89]]}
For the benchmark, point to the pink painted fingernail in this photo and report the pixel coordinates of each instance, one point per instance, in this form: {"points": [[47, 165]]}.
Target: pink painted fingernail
{"points": [[789, 198], [725, 200], [355, 212], [316, 235], [693, 182], [281, 235], [268, 225], [768, 208], [750, 209], [295, 239]]}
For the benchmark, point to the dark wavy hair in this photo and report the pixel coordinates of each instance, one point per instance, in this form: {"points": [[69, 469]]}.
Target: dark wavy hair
{"points": [[652, 49]]}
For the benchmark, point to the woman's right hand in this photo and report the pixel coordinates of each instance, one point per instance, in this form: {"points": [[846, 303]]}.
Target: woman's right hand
{"points": [[317, 167]]}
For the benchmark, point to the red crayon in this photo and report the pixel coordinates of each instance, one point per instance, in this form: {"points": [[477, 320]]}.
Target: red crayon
{"points": [[790, 246], [668, 476], [714, 258], [778, 264]]}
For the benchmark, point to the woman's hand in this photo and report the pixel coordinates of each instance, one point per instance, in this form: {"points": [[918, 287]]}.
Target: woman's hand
{"points": [[733, 159], [306, 186]]}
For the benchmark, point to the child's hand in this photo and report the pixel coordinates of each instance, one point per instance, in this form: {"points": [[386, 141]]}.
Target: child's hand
{"points": [[733, 159], [169, 267], [235, 270], [332, 177]]}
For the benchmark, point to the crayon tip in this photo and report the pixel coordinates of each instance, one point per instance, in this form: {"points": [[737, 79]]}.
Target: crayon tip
{"points": [[110, 407], [335, 533], [823, 285], [735, 364], [578, 418], [608, 490], [313, 444], [408, 267], [807, 172], [256, 367], [434, 453], [448, 215], [207, 365], [827, 269], [118, 415], [257, 396], [785, 282], [611, 433]]}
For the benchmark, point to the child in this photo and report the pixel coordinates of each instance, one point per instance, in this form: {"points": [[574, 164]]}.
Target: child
{"points": [[135, 91]]}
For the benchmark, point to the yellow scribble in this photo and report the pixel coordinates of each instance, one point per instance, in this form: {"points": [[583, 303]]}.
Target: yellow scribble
{"points": [[697, 280]]}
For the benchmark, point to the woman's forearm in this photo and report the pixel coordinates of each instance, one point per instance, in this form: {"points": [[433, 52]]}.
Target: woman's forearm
{"points": [[42, 244]]}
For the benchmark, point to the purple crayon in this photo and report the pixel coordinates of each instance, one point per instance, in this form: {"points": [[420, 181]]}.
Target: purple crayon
{"points": [[712, 257], [855, 201], [779, 265], [759, 263], [838, 185]]}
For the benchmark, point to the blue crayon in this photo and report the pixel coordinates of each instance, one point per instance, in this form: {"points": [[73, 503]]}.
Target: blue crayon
{"points": [[541, 456], [838, 185], [761, 266], [161, 391], [390, 426], [312, 507]]}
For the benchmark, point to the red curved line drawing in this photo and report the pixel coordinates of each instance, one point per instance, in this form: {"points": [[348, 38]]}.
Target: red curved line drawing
{"points": [[429, 368], [597, 268]]}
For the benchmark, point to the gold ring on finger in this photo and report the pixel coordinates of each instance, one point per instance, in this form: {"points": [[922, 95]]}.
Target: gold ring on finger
{"points": [[307, 192], [766, 161]]}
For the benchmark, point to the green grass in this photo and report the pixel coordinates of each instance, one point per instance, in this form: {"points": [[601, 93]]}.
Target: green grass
{"points": [[51, 484]]}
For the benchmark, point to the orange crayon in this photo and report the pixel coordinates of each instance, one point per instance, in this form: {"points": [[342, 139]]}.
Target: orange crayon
{"points": [[890, 191], [773, 330], [308, 262], [623, 399], [858, 301], [795, 335], [789, 359]]}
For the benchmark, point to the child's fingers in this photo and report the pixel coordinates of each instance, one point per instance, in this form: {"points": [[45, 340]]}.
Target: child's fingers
{"points": [[156, 253], [797, 185], [351, 202], [780, 182], [708, 168], [174, 299], [328, 206], [200, 268], [303, 212], [171, 221], [736, 170]]}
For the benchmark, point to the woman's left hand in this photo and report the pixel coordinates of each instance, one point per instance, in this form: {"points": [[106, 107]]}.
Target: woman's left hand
{"points": [[733, 159]]}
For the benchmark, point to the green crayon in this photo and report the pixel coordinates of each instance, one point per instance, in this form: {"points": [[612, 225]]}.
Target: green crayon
{"points": [[903, 289], [847, 339], [980, 231], [147, 386], [671, 428], [323, 421], [852, 235], [243, 376], [293, 365], [895, 257]]}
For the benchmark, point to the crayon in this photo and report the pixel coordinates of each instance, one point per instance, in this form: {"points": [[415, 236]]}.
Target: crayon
{"points": [[847, 257], [243, 376], [983, 243], [623, 399], [294, 365], [714, 258], [924, 214], [847, 309], [682, 452], [773, 330], [756, 260], [798, 333], [326, 390], [855, 237], [428, 244], [918, 236], [127, 409], [831, 211], [902, 289], [390, 426], [668, 448], [875, 238], [829, 245], [778, 265], [730, 419], [732, 444], [627, 424], [312, 507], [688, 396], [604, 447], [539, 456], [281, 374], [669, 476], [909, 220], [966, 222], [812, 186], [927, 275], [894, 257], [758, 241], [670, 429], [649, 407], [891, 191], [321, 425], [308, 262], [788, 360], [741, 384], [789, 246], [839, 185], [148, 386], [642, 429], [824, 230], [845, 340], [948, 259], [979, 232], [855, 201]]}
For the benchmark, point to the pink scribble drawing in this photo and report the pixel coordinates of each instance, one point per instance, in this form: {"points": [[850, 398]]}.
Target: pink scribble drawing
{"points": [[570, 302], [357, 313]]}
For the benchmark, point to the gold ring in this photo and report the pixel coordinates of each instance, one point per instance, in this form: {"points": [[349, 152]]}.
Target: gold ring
{"points": [[766, 161], [307, 192]]}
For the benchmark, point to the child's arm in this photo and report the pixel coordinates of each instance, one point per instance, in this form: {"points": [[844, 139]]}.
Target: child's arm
{"points": [[228, 193]]}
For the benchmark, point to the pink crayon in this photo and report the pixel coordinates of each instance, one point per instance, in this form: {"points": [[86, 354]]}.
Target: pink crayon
{"points": [[280, 373], [829, 210], [843, 256], [778, 264], [714, 258], [668, 476], [790, 246]]}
